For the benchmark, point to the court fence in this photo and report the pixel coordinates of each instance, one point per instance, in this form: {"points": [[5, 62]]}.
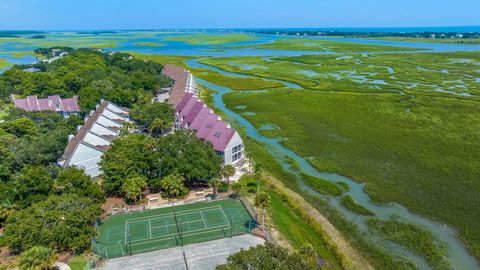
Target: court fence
{"points": [[127, 246]]}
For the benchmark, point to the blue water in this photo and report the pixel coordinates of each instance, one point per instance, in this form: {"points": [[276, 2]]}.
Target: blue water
{"points": [[458, 255]]}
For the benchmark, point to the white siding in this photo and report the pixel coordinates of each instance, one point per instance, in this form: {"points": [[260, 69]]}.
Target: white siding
{"points": [[111, 115], [228, 155], [101, 130], [107, 122], [87, 158], [94, 139], [115, 109]]}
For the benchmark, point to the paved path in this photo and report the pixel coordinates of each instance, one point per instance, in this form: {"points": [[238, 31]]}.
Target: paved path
{"points": [[202, 256]]}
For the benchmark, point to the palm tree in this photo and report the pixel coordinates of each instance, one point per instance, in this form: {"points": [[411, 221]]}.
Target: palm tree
{"points": [[37, 258], [228, 171], [173, 186], [237, 188], [258, 175], [156, 127], [214, 183], [262, 201]]}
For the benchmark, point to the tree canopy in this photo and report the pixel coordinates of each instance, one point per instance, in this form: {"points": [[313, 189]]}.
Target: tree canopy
{"points": [[63, 223], [180, 153], [268, 256], [88, 73]]}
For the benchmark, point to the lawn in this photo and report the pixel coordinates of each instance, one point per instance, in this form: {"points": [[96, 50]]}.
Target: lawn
{"points": [[210, 39], [78, 263], [303, 44]]}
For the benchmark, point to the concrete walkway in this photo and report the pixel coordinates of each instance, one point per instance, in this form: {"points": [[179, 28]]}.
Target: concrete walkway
{"points": [[202, 256]]}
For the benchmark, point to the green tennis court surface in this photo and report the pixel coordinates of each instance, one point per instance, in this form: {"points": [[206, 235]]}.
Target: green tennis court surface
{"points": [[168, 227]]}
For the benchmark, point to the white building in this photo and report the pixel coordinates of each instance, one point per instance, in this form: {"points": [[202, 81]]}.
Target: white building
{"points": [[86, 148]]}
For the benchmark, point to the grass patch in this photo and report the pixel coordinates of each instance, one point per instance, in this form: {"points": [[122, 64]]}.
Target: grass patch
{"points": [[295, 227], [322, 186], [348, 202], [301, 44], [149, 44], [236, 83], [78, 263], [210, 39], [416, 238]]}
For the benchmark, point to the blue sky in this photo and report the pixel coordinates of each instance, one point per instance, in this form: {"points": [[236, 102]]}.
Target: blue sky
{"points": [[150, 14]]}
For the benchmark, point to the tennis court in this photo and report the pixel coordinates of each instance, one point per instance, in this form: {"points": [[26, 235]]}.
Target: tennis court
{"points": [[162, 228]]}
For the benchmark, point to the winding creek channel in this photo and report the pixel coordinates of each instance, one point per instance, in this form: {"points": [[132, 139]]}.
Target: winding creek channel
{"points": [[459, 257]]}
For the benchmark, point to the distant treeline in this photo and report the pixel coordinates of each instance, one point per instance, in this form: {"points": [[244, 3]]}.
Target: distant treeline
{"points": [[96, 32], [370, 34], [17, 33]]}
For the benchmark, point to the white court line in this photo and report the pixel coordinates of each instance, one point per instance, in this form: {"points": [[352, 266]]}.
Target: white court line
{"points": [[132, 220], [204, 222], [225, 216], [149, 229]]}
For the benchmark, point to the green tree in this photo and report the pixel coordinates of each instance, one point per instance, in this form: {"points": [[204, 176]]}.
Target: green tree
{"points": [[129, 156], [37, 258], [32, 184], [214, 183], [146, 113], [227, 171], [257, 175], [20, 127], [63, 223], [173, 186], [158, 126], [237, 188], [75, 181], [132, 188], [268, 256], [183, 153], [262, 201]]}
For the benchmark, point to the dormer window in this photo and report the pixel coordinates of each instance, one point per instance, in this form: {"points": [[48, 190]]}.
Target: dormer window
{"points": [[217, 134]]}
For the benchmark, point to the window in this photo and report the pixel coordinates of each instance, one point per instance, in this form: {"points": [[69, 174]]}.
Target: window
{"points": [[236, 156], [220, 153], [237, 148]]}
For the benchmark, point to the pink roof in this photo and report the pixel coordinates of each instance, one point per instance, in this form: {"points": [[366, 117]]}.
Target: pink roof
{"points": [[52, 103], [188, 107], [190, 110], [183, 102], [200, 118], [207, 126], [220, 135], [193, 113]]}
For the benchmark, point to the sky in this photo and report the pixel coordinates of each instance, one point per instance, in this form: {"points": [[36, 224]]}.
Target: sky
{"points": [[170, 14]]}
